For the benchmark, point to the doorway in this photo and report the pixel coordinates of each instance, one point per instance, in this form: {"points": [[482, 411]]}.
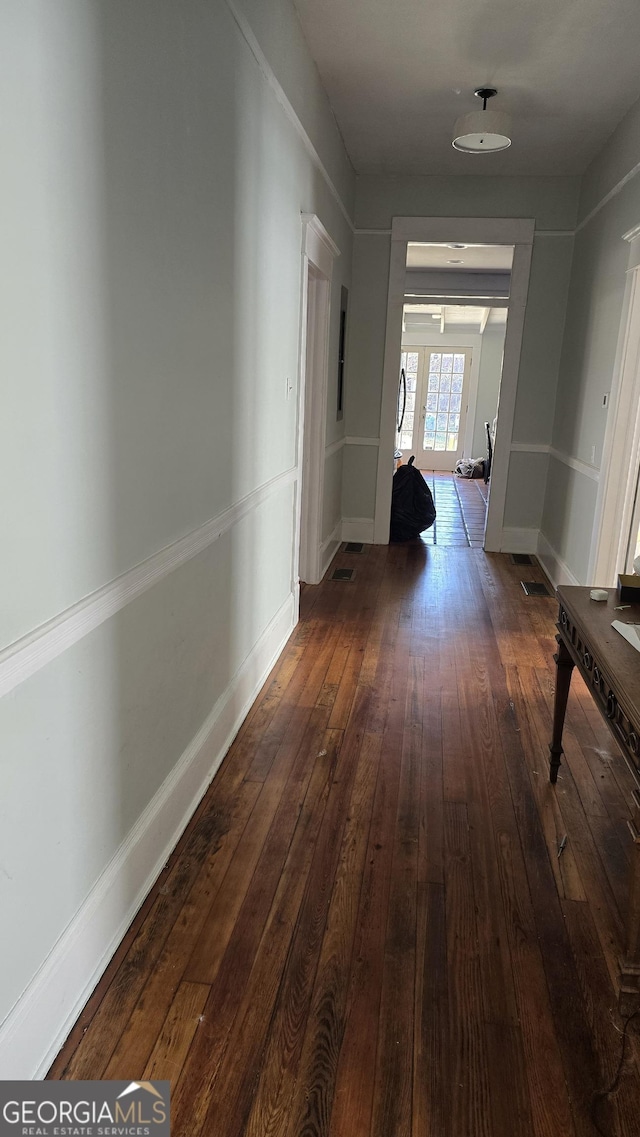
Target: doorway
{"points": [[319, 254], [451, 234]]}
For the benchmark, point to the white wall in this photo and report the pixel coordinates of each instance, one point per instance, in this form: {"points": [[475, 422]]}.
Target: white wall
{"points": [[363, 388], [155, 176], [609, 208], [553, 204], [488, 385]]}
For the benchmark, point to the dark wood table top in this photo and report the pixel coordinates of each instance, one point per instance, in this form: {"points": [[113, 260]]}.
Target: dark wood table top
{"points": [[618, 658]]}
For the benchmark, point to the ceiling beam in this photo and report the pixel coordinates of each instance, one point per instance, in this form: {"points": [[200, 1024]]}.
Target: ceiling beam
{"points": [[462, 301], [456, 283]]}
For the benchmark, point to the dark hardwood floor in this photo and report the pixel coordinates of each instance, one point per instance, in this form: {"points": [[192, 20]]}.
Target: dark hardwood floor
{"points": [[367, 930]]}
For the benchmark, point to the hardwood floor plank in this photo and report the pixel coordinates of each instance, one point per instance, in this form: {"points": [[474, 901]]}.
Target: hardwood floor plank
{"points": [[392, 1101], [510, 1112], [493, 943], [583, 847], [356, 1074], [296, 1089], [454, 756], [431, 814], [259, 944], [285, 991], [207, 840], [212, 944], [543, 1073], [432, 1077], [522, 854], [571, 1025], [145, 1021], [171, 1049], [620, 1111], [366, 930], [470, 1104]]}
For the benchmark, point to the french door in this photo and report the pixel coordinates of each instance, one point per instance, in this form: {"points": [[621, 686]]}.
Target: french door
{"points": [[437, 395]]}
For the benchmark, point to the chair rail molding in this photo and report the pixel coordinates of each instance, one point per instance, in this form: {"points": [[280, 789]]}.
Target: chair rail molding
{"points": [[22, 659]]}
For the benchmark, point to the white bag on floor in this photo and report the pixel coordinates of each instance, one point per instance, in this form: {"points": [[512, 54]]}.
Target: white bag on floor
{"points": [[470, 468]]}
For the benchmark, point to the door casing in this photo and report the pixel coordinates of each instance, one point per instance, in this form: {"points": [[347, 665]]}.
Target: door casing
{"points": [[319, 253], [468, 230], [621, 447]]}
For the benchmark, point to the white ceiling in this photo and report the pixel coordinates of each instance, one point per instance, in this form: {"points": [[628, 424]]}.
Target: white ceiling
{"points": [[399, 72]]}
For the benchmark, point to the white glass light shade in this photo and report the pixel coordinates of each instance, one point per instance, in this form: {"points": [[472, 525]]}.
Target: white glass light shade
{"points": [[482, 130]]}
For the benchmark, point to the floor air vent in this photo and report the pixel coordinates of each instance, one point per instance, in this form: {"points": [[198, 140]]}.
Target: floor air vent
{"points": [[343, 574], [521, 559], [533, 588], [354, 547]]}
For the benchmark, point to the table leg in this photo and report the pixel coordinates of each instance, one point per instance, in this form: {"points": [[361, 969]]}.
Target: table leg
{"points": [[564, 668]]}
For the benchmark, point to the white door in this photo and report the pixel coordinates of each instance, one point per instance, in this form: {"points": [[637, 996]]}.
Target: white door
{"points": [[436, 406]]}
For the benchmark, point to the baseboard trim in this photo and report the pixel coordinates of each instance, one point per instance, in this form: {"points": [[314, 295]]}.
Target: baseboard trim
{"points": [[329, 548], [36, 1028], [20, 660], [358, 529], [519, 541], [553, 564]]}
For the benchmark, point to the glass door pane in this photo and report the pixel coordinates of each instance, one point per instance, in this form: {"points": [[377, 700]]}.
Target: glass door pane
{"points": [[444, 400], [443, 405], [410, 362]]}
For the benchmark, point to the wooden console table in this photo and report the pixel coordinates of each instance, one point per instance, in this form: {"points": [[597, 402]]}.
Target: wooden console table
{"points": [[611, 669]]}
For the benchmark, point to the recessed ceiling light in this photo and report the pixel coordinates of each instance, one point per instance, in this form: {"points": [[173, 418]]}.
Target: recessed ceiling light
{"points": [[456, 246], [455, 262]]}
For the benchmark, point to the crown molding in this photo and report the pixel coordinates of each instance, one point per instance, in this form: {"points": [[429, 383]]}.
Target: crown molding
{"points": [[252, 43]]}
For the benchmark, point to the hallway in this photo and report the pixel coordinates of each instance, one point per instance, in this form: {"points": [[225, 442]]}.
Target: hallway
{"points": [[367, 930], [461, 510]]}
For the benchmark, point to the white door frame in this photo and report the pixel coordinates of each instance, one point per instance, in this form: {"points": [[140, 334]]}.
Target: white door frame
{"points": [[469, 230], [621, 447], [319, 253]]}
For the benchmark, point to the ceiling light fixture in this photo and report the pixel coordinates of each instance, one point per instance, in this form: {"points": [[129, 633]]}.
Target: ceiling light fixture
{"points": [[482, 130]]}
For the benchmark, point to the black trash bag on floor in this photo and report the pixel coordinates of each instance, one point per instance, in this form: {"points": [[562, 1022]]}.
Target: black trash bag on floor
{"points": [[412, 508]]}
